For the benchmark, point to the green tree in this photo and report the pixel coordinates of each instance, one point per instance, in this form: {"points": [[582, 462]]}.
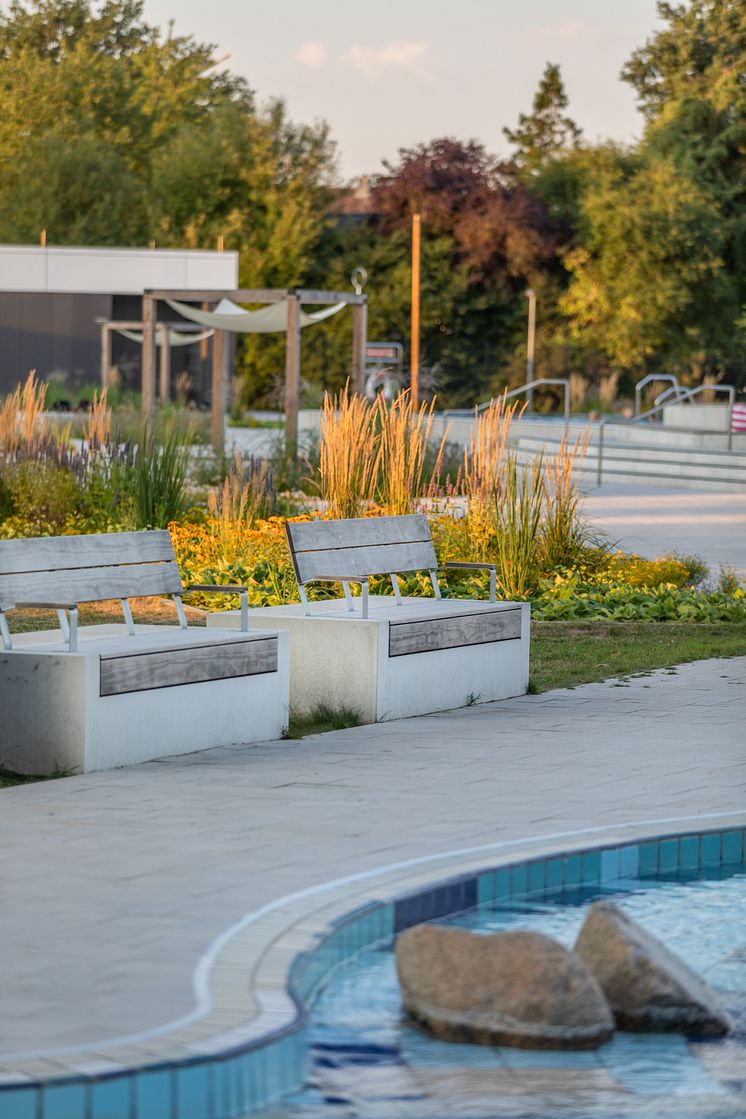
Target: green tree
{"points": [[541, 135], [660, 276]]}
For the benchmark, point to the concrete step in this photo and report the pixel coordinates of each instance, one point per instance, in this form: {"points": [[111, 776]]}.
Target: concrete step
{"points": [[698, 469]]}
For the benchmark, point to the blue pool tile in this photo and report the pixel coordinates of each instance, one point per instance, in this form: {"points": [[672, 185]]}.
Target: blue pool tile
{"points": [[502, 884], [554, 870], [648, 858], [689, 852], [572, 875], [224, 1089], [609, 865], [536, 875], [486, 888], [733, 847], [591, 867], [709, 848], [518, 880], [629, 861], [668, 856], [154, 1094], [111, 1099], [193, 1092], [64, 1101], [470, 891], [19, 1103]]}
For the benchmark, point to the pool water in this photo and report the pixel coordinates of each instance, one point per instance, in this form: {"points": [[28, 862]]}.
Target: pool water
{"points": [[367, 1062]]}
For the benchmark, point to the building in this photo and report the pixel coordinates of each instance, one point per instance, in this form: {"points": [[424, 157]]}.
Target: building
{"points": [[54, 300]]}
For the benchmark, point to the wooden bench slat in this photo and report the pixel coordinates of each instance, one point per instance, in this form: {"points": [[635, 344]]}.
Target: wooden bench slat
{"points": [[100, 549], [90, 584], [378, 559], [357, 532], [429, 635], [195, 665]]}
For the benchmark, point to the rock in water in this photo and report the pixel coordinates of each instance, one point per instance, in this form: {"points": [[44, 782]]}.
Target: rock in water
{"points": [[513, 988], [648, 987]]}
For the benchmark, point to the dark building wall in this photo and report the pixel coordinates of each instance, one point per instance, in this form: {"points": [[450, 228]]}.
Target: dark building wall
{"points": [[57, 335]]}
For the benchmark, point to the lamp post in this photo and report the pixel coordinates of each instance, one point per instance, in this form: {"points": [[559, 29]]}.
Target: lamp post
{"points": [[530, 345], [414, 361]]}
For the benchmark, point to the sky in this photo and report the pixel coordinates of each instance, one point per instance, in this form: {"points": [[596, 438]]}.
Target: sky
{"points": [[389, 74]]}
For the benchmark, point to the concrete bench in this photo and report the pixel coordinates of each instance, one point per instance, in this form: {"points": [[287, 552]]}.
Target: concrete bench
{"points": [[391, 656], [103, 696]]}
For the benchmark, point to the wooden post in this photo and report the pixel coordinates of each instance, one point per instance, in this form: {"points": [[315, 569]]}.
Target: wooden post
{"points": [[148, 357], [164, 387], [359, 341], [105, 355], [292, 375], [218, 406], [414, 360]]}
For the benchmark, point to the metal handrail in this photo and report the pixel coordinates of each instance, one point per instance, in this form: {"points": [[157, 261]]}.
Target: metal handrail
{"points": [[653, 378], [687, 394], [530, 386]]}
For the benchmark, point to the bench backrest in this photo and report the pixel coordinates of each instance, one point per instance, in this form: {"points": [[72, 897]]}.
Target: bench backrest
{"points": [[87, 568], [361, 546]]}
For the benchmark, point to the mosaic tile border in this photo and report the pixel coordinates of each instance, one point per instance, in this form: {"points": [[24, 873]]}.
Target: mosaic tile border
{"points": [[239, 1079]]}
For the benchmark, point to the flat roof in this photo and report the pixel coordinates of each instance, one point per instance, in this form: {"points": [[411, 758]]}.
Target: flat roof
{"points": [[32, 268]]}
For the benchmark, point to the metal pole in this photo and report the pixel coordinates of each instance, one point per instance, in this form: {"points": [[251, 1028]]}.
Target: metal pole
{"points": [[731, 401], [292, 375], [599, 465], [414, 376], [566, 394], [530, 345]]}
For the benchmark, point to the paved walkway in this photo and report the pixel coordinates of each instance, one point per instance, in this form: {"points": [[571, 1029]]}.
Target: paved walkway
{"points": [[652, 521], [116, 887]]}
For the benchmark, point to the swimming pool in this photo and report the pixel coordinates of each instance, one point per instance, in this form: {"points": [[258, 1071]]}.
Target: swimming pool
{"points": [[368, 1062]]}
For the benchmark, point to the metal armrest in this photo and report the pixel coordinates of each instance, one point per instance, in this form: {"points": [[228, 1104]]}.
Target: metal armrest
{"points": [[223, 588], [71, 622], [491, 567]]}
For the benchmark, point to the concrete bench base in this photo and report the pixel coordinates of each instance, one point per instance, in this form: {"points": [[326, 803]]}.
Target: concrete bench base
{"points": [[403, 660], [126, 699]]}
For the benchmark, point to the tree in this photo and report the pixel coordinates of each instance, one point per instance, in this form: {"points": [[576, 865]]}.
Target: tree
{"points": [[660, 278], [546, 131], [648, 275]]}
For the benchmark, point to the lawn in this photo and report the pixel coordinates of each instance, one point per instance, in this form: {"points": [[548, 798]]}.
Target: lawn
{"points": [[565, 654]]}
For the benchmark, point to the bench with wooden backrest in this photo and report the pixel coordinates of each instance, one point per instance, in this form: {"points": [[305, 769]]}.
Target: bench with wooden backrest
{"points": [[352, 551], [58, 573]]}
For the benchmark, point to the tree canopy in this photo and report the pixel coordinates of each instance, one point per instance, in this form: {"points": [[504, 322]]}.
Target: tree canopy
{"points": [[114, 131]]}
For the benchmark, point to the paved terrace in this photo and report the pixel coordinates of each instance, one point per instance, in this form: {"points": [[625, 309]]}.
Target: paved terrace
{"points": [[118, 888], [653, 520]]}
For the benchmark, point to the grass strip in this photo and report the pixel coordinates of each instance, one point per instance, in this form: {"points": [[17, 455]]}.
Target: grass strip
{"points": [[565, 654]]}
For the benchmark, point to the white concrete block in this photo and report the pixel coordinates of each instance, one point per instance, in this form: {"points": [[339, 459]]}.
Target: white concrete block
{"points": [[339, 658], [54, 718]]}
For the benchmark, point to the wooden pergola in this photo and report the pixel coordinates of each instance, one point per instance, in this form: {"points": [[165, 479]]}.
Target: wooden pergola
{"points": [[294, 297]]}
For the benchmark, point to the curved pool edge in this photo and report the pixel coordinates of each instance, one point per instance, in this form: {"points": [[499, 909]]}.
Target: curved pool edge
{"points": [[249, 1048]]}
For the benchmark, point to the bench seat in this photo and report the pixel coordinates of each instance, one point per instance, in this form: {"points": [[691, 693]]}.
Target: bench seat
{"points": [[91, 698]]}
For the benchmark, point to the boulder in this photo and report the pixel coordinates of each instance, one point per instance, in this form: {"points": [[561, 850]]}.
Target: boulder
{"points": [[648, 987], [513, 988]]}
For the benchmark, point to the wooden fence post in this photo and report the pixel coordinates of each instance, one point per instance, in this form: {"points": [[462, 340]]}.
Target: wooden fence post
{"points": [[292, 374]]}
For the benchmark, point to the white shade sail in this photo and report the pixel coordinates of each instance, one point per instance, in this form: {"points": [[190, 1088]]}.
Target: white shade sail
{"points": [[272, 319], [175, 337]]}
